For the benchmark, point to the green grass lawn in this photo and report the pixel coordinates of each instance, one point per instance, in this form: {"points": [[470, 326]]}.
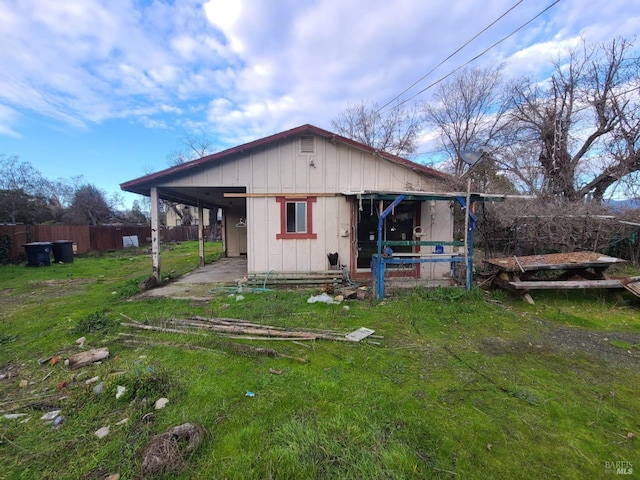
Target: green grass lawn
{"points": [[473, 386]]}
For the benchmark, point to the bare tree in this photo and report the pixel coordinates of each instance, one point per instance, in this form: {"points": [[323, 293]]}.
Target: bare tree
{"points": [[584, 123], [468, 112], [192, 147], [22, 187], [394, 130]]}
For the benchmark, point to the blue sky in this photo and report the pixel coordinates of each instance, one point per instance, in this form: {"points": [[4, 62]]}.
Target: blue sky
{"points": [[106, 89]]}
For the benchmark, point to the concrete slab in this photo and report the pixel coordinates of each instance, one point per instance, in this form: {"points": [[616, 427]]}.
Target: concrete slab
{"points": [[196, 285]]}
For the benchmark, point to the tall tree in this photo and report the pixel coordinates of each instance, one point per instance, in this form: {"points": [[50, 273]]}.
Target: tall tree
{"points": [[584, 123], [394, 130], [468, 112], [22, 188], [89, 207]]}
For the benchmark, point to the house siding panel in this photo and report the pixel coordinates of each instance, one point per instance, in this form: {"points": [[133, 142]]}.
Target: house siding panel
{"points": [[280, 168]]}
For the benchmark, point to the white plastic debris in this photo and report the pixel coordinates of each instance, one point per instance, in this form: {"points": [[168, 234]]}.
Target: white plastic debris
{"points": [[120, 391], [102, 432], [13, 416], [161, 403], [92, 380], [50, 416], [322, 298]]}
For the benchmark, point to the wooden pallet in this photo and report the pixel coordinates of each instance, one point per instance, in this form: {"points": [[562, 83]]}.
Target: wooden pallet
{"points": [[322, 277]]}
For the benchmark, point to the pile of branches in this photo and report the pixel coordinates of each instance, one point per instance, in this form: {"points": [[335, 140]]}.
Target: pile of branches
{"points": [[167, 452], [234, 328], [542, 226]]}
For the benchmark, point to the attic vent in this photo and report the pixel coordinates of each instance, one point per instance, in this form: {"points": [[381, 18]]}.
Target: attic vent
{"points": [[306, 144]]}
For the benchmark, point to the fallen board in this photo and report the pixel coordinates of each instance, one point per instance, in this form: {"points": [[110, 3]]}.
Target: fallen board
{"points": [[632, 284], [564, 285], [359, 334]]}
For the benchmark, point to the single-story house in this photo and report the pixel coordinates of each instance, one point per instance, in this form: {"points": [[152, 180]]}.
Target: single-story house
{"points": [[290, 199]]}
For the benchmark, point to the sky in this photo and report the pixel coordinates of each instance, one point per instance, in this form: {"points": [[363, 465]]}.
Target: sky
{"points": [[108, 89]]}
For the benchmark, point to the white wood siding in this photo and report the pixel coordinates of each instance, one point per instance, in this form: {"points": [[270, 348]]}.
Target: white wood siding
{"points": [[281, 168]]}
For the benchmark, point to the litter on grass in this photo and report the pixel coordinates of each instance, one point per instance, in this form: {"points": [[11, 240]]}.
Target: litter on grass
{"points": [[13, 416], [161, 403], [50, 416], [120, 391], [322, 298], [360, 334]]}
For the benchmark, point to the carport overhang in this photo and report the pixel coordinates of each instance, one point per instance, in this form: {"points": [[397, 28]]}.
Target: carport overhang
{"points": [[201, 197], [210, 197]]}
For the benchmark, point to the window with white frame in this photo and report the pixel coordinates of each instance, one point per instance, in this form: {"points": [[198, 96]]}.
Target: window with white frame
{"points": [[296, 218]]}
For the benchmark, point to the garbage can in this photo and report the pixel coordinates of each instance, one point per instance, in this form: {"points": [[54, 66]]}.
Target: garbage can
{"points": [[63, 251], [38, 254]]}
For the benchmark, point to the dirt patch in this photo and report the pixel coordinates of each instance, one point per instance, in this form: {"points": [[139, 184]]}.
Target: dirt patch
{"points": [[179, 291], [41, 291], [603, 346]]}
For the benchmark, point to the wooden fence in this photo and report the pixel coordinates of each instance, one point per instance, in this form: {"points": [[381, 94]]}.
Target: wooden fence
{"points": [[88, 239]]}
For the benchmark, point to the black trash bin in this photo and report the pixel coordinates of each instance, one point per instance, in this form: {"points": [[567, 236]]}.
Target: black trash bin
{"points": [[63, 251], [38, 254]]}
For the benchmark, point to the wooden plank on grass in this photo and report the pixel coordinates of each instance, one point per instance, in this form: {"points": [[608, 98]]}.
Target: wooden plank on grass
{"points": [[564, 285]]}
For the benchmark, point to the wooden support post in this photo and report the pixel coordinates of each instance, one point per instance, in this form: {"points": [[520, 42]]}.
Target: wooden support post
{"points": [[155, 233], [201, 234]]}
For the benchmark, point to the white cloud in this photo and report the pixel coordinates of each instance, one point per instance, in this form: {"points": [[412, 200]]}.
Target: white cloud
{"points": [[252, 67], [8, 116]]}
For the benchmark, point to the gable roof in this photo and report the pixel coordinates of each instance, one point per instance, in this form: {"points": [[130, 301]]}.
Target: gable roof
{"points": [[143, 184]]}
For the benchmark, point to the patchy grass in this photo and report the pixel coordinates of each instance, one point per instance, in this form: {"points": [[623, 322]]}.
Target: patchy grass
{"points": [[462, 385]]}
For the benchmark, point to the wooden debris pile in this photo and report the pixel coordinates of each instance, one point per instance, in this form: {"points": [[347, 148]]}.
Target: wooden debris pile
{"points": [[240, 329]]}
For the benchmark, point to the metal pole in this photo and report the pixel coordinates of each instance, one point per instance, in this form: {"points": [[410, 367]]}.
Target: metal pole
{"points": [[381, 260], [466, 232]]}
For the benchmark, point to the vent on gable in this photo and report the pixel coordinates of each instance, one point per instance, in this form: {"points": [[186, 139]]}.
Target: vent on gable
{"points": [[307, 144]]}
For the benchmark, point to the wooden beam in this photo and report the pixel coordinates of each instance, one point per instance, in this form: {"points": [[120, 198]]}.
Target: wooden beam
{"points": [[288, 195], [565, 285]]}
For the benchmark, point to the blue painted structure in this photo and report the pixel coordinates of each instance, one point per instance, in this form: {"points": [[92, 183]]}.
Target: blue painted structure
{"points": [[383, 257]]}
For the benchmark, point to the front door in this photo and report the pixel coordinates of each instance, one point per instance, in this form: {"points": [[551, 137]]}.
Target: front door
{"points": [[397, 226]]}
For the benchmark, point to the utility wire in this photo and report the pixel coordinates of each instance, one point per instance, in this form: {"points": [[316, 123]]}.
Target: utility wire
{"points": [[548, 7], [450, 56]]}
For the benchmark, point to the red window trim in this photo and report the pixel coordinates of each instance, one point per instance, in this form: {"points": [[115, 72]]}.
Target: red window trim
{"points": [[284, 235]]}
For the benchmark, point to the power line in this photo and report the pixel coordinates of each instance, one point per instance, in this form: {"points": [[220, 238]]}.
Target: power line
{"points": [[548, 7], [451, 55]]}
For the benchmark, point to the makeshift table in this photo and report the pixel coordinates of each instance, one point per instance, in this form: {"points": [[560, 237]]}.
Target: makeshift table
{"points": [[573, 270]]}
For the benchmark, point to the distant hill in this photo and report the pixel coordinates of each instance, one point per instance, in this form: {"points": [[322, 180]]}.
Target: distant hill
{"points": [[629, 203]]}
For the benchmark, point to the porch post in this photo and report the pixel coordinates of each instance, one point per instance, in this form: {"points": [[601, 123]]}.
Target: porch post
{"points": [[155, 234], [201, 234]]}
